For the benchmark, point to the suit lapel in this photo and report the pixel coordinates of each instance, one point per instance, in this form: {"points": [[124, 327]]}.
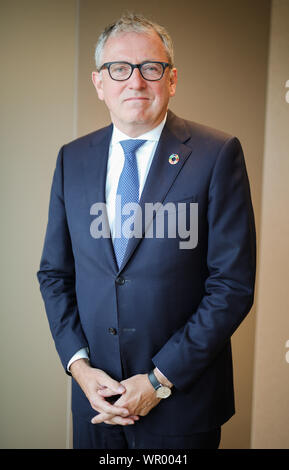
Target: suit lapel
{"points": [[95, 165], [162, 174], [95, 168]]}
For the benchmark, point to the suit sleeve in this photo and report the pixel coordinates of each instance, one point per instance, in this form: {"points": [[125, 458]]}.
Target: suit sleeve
{"points": [[229, 287], [57, 275]]}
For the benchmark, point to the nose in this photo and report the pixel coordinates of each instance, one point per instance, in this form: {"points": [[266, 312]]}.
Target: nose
{"points": [[136, 81]]}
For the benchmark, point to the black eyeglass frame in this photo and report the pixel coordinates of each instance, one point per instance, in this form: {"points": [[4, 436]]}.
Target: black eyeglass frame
{"points": [[107, 65]]}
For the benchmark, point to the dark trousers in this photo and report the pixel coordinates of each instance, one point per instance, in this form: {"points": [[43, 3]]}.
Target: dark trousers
{"points": [[99, 436]]}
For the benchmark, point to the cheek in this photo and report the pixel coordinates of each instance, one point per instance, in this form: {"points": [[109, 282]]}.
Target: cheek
{"points": [[162, 93], [162, 98], [111, 96], [112, 88]]}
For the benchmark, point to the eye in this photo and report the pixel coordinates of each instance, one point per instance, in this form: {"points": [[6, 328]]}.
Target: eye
{"points": [[120, 68], [152, 67]]}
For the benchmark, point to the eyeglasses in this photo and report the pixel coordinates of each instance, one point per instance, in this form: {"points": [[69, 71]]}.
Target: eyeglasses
{"points": [[151, 71]]}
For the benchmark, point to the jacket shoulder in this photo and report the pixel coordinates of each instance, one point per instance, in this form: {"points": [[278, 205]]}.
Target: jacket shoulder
{"points": [[93, 138], [193, 132]]}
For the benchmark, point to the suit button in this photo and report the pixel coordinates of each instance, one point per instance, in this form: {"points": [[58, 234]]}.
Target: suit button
{"points": [[112, 331], [120, 280]]}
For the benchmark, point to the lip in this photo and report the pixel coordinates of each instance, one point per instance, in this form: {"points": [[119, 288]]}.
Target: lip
{"points": [[137, 98]]}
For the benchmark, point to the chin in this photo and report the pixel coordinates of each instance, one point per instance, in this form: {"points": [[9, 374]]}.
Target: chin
{"points": [[138, 117]]}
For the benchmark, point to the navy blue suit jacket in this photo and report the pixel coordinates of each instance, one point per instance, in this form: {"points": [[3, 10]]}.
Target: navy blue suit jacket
{"points": [[172, 308]]}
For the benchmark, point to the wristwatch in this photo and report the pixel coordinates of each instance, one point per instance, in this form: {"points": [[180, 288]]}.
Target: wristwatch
{"points": [[161, 390]]}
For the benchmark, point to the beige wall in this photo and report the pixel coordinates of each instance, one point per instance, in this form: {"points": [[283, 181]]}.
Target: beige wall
{"points": [[271, 379], [48, 99], [37, 116]]}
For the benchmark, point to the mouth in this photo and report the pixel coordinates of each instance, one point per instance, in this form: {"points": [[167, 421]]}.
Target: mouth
{"points": [[137, 98]]}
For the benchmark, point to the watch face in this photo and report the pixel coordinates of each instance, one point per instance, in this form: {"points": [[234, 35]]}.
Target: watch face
{"points": [[163, 392]]}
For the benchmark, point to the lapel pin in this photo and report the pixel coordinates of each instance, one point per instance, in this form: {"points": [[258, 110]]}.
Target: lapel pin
{"points": [[173, 159]]}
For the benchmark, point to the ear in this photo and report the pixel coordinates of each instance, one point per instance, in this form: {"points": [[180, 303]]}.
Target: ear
{"points": [[173, 81], [97, 81]]}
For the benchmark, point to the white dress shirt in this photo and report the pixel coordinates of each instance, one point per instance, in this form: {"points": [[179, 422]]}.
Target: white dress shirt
{"points": [[144, 156]]}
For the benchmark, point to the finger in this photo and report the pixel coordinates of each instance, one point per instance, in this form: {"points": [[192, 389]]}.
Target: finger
{"points": [[111, 419], [107, 381], [106, 392], [120, 421], [123, 421], [101, 405]]}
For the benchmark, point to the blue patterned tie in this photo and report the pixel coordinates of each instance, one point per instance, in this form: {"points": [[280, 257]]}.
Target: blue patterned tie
{"points": [[127, 190]]}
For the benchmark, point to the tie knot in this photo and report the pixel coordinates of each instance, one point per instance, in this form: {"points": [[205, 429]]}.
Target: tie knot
{"points": [[130, 146]]}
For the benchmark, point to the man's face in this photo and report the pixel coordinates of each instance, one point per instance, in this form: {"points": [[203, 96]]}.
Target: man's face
{"points": [[136, 105]]}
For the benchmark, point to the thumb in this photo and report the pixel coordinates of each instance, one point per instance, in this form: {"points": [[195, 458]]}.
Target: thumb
{"points": [[106, 392], [107, 382]]}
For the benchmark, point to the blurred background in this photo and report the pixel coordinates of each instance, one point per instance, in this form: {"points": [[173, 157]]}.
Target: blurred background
{"points": [[233, 68]]}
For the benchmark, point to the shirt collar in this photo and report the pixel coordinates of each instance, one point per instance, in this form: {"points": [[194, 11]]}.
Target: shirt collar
{"points": [[152, 135]]}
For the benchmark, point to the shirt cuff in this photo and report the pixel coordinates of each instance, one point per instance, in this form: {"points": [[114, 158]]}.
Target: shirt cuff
{"points": [[81, 354]]}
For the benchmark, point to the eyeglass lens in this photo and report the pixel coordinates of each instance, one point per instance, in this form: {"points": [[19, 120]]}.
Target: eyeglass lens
{"points": [[149, 71]]}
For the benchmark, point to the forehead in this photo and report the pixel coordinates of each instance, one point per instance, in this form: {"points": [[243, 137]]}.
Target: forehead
{"points": [[134, 47]]}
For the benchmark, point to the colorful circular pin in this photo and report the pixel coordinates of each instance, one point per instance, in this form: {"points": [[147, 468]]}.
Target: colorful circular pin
{"points": [[173, 159]]}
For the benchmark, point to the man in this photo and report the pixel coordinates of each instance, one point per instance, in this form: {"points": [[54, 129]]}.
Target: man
{"points": [[140, 321]]}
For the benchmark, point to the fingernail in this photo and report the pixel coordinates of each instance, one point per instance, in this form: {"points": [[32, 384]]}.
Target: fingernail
{"points": [[120, 389]]}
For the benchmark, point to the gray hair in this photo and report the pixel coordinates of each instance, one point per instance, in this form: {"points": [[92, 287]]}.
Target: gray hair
{"points": [[131, 22]]}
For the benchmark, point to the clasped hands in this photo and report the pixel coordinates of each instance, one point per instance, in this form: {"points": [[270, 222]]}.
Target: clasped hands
{"points": [[137, 398]]}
